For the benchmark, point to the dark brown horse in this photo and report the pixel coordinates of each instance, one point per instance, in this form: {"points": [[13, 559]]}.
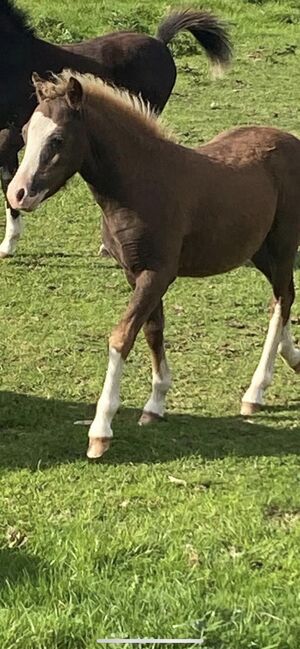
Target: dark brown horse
{"points": [[138, 62], [170, 211]]}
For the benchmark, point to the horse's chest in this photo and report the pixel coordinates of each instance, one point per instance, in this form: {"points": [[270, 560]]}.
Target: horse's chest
{"points": [[131, 244]]}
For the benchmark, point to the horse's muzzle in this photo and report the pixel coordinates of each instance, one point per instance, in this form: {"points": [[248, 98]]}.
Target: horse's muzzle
{"points": [[20, 197]]}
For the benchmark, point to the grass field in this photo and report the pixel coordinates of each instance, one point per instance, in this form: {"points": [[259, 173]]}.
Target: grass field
{"points": [[119, 548]]}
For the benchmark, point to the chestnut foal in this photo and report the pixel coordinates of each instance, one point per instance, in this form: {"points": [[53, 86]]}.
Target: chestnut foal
{"points": [[169, 211], [140, 63]]}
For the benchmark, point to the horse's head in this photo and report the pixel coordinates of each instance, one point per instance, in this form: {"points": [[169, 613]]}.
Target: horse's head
{"points": [[55, 143]]}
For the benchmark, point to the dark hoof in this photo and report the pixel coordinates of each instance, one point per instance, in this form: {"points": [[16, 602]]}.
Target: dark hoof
{"points": [[149, 418], [297, 368]]}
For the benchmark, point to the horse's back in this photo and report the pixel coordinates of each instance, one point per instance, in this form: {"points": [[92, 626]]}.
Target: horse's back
{"points": [[132, 60], [250, 145], [247, 181], [264, 156]]}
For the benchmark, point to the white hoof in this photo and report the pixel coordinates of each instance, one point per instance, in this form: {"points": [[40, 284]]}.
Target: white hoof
{"points": [[6, 251]]}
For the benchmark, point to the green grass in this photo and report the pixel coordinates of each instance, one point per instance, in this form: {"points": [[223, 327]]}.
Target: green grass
{"points": [[117, 548]]}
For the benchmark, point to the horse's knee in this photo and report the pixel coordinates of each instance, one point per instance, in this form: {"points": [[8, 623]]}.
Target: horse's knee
{"points": [[122, 339]]}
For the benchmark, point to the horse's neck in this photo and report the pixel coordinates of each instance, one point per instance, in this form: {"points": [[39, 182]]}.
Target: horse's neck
{"points": [[122, 154], [15, 73]]}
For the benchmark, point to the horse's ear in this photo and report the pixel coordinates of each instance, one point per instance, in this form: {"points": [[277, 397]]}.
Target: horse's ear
{"points": [[39, 85], [74, 93]]}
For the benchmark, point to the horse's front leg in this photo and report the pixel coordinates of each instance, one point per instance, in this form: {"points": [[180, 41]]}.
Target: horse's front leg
{"points": [[14, 222], [161, 378], [149, 288]]}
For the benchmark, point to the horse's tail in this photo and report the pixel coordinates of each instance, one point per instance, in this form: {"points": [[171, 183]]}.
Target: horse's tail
{"points": [[209, 31]]}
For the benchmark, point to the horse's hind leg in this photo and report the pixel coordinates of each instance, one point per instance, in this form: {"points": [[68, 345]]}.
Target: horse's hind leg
{"points": [[161, 377], [262, 377], [287, 349], [280, 274], [264, 262]]}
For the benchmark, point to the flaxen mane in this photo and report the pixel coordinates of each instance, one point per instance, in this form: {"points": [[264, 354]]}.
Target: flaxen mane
{"points": [[94, 88]]}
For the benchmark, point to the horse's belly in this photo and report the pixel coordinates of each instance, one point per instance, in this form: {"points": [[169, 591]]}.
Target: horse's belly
{"points": [[234, 214], [196, 260], [219, 251]]}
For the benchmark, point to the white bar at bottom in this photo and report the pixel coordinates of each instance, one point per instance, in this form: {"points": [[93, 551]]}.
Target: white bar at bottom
{"points": [[150, 641]]}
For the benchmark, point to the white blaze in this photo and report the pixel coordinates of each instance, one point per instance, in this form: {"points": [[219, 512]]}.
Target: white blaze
{"points": [[39, 129]]}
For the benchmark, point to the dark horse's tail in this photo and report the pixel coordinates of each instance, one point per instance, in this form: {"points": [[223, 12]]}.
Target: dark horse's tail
{"points": [[209, 31]]}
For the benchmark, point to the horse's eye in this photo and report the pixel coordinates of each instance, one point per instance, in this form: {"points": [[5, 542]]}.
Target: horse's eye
{"points": [[51, 150], [55, 144]]}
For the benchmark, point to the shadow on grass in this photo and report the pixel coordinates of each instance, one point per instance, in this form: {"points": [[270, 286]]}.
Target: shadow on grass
{"points": [[39, 258], [38, 433], [17, 566], [63, 259]]}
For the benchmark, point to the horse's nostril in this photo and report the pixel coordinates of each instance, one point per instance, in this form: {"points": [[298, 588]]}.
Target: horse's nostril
{"points": [[20, 195]]}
